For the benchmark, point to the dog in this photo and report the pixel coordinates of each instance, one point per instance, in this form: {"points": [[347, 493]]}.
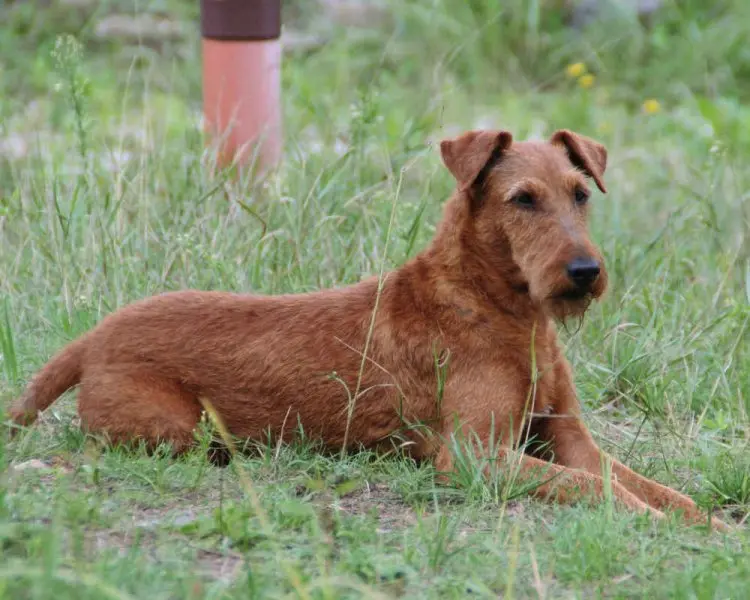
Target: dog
{"points": [[459, 341]]}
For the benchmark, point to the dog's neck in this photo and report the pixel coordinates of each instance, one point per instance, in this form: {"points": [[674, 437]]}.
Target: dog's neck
{"points": [[453, 267]]}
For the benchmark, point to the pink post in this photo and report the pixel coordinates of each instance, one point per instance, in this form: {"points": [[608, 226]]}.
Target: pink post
{"points": [[241, 79]]}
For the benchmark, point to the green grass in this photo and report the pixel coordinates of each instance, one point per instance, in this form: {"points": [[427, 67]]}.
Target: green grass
{"points": [[106, 196]]}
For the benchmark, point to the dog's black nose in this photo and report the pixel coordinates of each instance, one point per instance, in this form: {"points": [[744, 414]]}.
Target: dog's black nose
{"points": [[583, 271]]}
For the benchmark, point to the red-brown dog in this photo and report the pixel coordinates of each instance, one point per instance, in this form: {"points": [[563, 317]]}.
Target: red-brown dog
{"points": [[357, 365]]}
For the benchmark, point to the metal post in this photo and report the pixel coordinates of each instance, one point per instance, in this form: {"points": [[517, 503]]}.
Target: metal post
{"points": [[242, 80]]}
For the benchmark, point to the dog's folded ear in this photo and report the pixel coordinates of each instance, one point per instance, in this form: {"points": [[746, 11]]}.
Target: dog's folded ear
{"points": [[466, 155], [586, 154]]}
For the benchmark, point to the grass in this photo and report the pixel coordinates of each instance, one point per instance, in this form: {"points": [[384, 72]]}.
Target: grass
{"points": [[106, 196]]}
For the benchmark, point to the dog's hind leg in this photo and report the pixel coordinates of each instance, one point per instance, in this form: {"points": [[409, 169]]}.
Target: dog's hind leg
{"points": [[130, 406]]}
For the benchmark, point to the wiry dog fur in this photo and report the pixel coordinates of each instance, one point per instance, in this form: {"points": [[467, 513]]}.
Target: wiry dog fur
{"points": [[486, 292]]}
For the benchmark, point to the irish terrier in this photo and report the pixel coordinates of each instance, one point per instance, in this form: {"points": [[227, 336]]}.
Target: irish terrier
{"points": [[359, 365]]}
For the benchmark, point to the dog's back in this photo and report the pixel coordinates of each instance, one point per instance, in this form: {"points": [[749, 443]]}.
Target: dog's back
{"points": [[266, 363]]}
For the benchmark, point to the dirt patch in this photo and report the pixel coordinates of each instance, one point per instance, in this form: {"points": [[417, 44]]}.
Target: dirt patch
{"points": [[218, 565], [145, 531], [210, 564], [393, 513]]}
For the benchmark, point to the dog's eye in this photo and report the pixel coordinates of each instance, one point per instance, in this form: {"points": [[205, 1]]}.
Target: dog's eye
{"points": [[581, 197], [524, 199]]}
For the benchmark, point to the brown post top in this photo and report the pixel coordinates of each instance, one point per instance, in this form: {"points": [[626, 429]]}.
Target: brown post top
{"points": [[241, 20]]}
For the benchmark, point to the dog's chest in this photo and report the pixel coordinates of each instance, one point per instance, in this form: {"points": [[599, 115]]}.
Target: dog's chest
{"points": [[542, 394], [545, 375]]}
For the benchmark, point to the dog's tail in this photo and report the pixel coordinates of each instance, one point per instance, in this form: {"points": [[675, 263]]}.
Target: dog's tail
{"points": [[60, 374]]}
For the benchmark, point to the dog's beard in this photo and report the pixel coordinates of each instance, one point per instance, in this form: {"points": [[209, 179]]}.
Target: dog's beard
{"points": [[560, 301], [569, 307]]}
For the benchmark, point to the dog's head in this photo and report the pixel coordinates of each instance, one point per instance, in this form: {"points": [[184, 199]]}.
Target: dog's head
{"points": [[527, 206]]}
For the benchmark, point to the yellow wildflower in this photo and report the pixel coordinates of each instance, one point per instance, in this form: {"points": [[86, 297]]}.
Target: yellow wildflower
{"points": [[651, 106], [586, 81], [576, 69]]}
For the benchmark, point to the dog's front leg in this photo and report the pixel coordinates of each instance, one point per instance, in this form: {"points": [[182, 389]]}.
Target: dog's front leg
{"points": [[574, 447], [545, 480]]}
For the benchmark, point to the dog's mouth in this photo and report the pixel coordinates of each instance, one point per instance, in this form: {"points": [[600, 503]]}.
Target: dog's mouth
{"points": [[570, 303], [573, 294]]}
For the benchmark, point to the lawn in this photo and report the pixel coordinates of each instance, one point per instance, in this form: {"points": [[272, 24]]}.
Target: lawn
{"points": [[107, 195]]}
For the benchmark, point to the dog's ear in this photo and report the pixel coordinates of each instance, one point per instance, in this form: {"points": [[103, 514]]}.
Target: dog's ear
{"points": [[586, 154], [466, 155]]}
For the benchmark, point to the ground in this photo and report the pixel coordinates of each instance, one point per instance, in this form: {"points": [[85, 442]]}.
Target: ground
{"points": [[107, 195]]}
